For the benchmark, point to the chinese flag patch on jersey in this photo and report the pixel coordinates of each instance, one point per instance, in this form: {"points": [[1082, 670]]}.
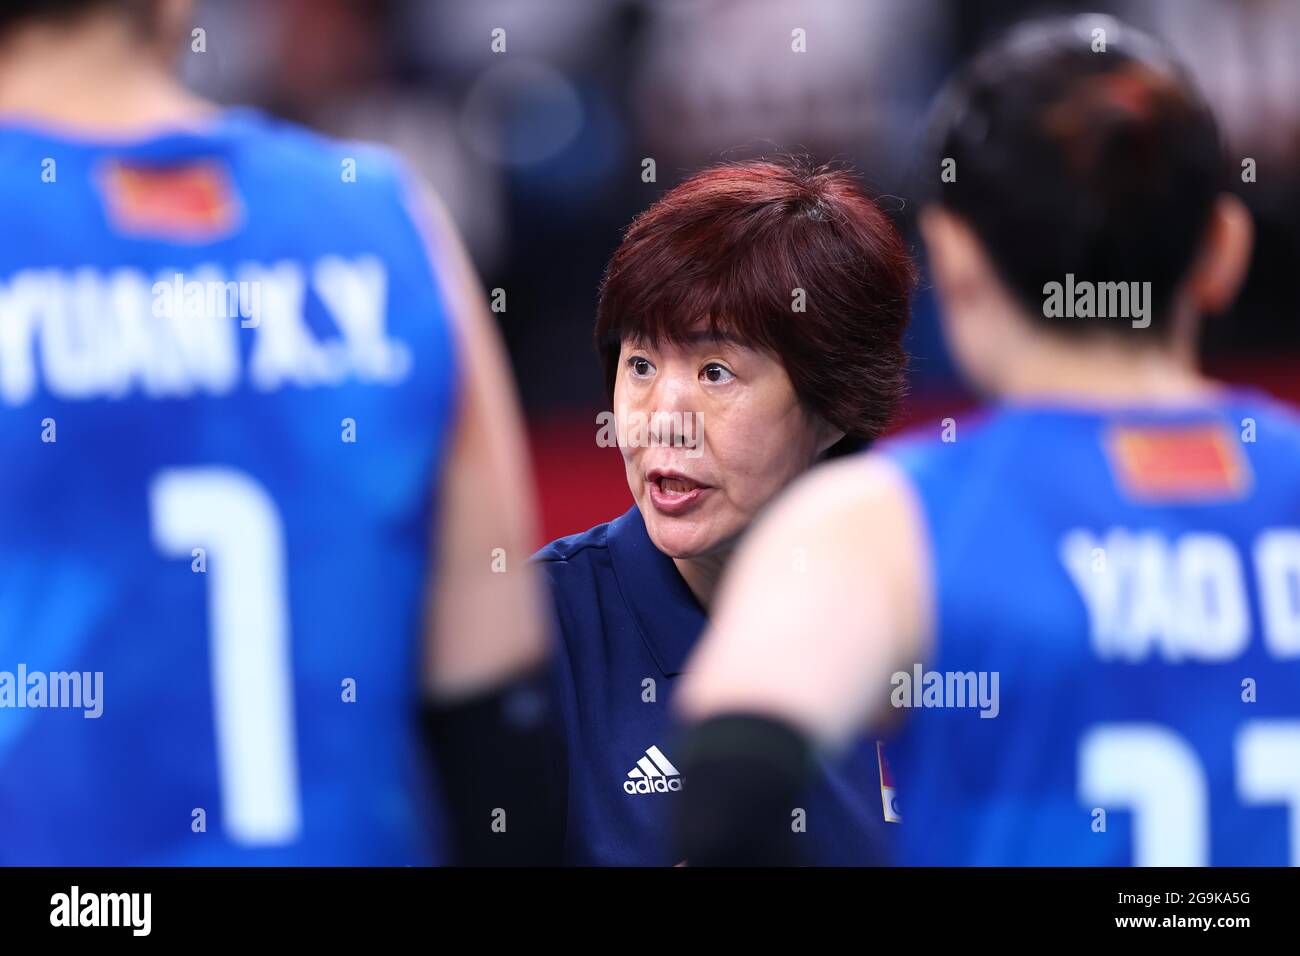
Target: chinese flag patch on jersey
{"points": [[186, 202], [1201, 462], [888, 793]]}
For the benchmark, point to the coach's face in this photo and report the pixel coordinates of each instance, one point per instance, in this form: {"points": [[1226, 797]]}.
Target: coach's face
{"points": [[709, 431]]}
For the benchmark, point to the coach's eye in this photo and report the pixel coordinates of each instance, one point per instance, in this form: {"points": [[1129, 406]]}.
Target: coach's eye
{"points": [[640, 366], [716, 374]]}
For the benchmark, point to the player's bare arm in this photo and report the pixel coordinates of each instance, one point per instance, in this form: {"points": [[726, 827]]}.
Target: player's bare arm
{"points": [[484, 624], [491, 704], [815, 617]]}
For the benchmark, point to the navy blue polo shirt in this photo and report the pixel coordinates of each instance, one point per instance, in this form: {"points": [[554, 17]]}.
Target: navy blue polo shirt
{"points": [[626, 622]]}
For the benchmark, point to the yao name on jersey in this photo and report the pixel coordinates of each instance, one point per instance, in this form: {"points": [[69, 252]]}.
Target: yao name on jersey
{"points": [[1132, 578]]}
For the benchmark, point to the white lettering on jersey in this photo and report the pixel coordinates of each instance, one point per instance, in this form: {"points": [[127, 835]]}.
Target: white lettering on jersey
{"points": [[356, 295], [1183, 599], [283, 347], [90, 334], [1277, 564], [18, 301]]}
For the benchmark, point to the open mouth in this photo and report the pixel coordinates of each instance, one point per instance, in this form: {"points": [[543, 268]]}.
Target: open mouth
{"points": [[677, 486], [672, 492]]}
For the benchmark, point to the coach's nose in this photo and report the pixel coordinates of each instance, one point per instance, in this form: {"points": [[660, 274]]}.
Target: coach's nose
{"points": [[673, 399]]}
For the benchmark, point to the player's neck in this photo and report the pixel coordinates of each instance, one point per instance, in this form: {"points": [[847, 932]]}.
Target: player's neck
{"points": [[1123, 370], [96, 78]]}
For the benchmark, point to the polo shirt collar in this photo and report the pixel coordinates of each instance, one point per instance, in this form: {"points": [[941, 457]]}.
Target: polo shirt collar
{"points": [[666, 613]]}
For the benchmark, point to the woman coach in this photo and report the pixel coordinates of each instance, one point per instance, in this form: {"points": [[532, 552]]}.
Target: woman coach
{"points": [[765, 301]]}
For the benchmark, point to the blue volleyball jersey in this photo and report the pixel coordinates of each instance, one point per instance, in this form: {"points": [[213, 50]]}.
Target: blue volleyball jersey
{"points": [[1115, 678], [226, 383]]}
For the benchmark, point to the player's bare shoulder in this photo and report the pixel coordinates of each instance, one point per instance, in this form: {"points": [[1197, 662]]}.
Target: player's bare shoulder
{"points": [[827, 593], [866, 515]]}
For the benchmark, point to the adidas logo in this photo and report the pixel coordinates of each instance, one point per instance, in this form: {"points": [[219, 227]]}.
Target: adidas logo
{"points": [[653, 773]]}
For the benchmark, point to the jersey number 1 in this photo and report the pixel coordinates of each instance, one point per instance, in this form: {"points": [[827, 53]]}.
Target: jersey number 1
{"points": [[233, 517]]}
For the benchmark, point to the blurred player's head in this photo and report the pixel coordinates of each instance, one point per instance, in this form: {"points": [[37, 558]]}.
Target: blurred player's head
{"points": [[1076, 150], [763, 302], [95, 65], [149, 26]]}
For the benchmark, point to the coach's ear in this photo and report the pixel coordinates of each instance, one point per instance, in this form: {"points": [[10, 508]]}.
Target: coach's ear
{"points": [[1224, 258]]}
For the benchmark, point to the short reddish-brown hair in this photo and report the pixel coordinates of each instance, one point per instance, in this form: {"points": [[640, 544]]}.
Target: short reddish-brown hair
{"points": [[725, 251]]}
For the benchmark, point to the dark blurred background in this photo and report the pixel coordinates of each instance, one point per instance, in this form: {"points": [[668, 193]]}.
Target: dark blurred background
{"points": [[538, 151]]}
